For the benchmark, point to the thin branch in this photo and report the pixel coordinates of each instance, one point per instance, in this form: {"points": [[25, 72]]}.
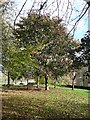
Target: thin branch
{"points": [[49, 5], [79, 14], [66, 12], [74, 27], [42, 5], [70, 13], [32, 6], [20, 11]]}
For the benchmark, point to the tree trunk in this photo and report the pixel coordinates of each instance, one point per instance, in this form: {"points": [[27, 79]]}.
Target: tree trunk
{"points": [[74, 77], [8, 80], [46, 82], [88, 65], [37, 82], [27, 85], [72, 84], [54, 84]]}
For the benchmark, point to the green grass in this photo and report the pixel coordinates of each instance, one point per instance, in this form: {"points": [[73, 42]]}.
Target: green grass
{"points": [[54, 104], [1, 83]]}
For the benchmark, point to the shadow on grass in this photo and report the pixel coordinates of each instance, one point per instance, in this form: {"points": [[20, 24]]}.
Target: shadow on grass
{"points": [[36, 109], [20, 88]]}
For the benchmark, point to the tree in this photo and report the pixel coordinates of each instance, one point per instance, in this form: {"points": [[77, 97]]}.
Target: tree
{"points": [[8, 48], [36, 31], [81, 54], [46, 41], [12, 56], [84, 50], [8, 40]]}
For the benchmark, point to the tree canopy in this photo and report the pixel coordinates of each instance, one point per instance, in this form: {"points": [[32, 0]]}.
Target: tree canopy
{"points": [[37, 44], [46, 41], [84, 50]]}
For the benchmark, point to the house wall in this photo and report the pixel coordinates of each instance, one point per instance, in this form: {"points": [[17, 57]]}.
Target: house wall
{"points": [[82, 80]]}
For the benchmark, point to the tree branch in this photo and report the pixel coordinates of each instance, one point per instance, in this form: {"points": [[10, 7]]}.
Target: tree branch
{"points": [[20, 12], [74, 27], [42, 5]]}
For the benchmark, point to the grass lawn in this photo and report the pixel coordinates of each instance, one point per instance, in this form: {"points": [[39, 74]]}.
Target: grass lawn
{"points": [[54, 104]]}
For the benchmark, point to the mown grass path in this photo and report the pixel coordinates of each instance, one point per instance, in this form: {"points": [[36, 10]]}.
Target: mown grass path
{"points": [[54, 104]]}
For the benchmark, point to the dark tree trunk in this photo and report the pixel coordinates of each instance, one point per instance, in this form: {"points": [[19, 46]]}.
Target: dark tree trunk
{"points": [[46, 82], [72, 84], [37, 82], [27, 85], [8, 80]]}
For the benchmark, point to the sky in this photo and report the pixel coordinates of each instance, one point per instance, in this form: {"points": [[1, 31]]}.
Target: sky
{"points": [[77, 8]]}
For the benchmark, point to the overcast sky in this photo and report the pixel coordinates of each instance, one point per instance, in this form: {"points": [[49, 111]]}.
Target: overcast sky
{"points": [[77, 7]]}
